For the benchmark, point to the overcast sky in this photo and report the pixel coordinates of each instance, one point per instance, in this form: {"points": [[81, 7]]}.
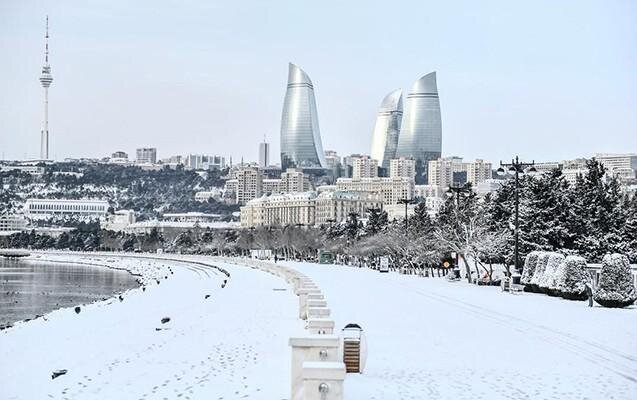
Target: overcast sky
{"points": [[548, 80]]}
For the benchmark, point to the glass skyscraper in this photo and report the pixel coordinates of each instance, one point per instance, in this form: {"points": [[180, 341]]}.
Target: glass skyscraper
{"points": [[300, 135], [387, 128], [421, 133]]}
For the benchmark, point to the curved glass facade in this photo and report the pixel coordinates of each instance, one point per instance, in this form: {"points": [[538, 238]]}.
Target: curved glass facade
{"points": [[387, 128], [421, 133], [300, 135]]}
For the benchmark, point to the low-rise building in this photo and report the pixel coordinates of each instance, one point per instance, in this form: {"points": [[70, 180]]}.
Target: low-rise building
{"points": [[336, 206], [119, 220], [391, 190], [191, 217], [204, 196], [27, 169], [12, 223], [47, 208], [307, 208]]}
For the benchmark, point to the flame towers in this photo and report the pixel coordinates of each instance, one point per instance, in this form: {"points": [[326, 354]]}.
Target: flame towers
{"points": [[300, 135], [387, 128], [421, 132], [45, 79]]}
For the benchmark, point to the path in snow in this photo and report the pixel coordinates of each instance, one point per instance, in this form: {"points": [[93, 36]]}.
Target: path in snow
{"points": [[232, 345], [431, 339]]}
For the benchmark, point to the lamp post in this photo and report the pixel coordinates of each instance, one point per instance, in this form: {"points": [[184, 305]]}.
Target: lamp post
{"points": [[405, 201], [457, 190], [517, 167]]}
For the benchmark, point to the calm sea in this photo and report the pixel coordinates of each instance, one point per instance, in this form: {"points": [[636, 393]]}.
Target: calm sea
{"points": [[29, 288]]}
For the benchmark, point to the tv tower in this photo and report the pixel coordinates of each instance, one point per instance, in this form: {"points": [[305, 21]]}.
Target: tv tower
{"points": [[45, 80]]}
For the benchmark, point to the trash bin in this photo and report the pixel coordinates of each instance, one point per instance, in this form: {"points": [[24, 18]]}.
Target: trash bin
{"points": [[354, 348]]}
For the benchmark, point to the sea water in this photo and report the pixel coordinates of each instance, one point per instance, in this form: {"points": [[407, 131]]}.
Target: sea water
{"points": [[29, 288]]}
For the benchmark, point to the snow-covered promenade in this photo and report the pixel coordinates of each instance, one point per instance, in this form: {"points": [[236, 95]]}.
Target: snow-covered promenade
{"points": [[233, 344], [427, 338], [432, 339]]}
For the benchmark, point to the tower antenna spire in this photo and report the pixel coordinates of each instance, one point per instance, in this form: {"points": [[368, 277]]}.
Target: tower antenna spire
{"points": [[45, 79], [46, 45]]}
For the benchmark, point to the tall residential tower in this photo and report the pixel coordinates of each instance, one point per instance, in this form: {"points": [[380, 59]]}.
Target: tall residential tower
{"points": [[45, 79], [387, 128], [421, 132], [300, 135]]}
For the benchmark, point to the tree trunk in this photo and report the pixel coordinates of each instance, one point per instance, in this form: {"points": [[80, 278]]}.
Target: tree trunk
{"points": [[467, 268]]}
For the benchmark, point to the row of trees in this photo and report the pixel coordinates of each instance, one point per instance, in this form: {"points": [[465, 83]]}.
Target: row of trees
{"points": [[590, 218]]}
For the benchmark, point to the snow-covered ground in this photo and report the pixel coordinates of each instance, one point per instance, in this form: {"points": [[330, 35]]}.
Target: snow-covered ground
{"points": [[428, 339], [233, 344], [432, 339]]}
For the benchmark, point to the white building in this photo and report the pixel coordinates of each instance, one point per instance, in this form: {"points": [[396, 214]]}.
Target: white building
{"points": [[440, 171], [12, 223], [623, 166], [120, 220], [306, 208], [118, 157], [364, 167], [203, 161], [478, 171], [249, 184], [335, 207], [27, 169], [191, 217], [271, 186], [402, 168], [391, 190], [424, 191], [293, 181], [205, 195], [146, 155], [47, 208]]}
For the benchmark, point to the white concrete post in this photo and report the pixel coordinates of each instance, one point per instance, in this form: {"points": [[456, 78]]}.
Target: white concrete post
{"points": [[318, 312], [323, 380], [320, 326], [303, 296], [310, 348]]}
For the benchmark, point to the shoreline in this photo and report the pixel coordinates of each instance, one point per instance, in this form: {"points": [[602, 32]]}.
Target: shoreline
{"points": [[37, 258], [192, 336]]}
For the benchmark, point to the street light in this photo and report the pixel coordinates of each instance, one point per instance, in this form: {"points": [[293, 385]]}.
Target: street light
{"points": [[516, 167], [405, 201], [457, 189]]}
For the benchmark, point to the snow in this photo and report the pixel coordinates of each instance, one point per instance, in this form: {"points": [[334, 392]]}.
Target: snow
{"points": [[231, 345], [433, 339], [427, 339]]}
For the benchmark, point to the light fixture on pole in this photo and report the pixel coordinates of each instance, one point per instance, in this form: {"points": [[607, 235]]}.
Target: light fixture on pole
{"points": [[517, 168]]}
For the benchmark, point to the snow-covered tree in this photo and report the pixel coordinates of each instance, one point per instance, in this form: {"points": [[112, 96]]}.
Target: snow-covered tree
{"points": [[616, 287], [547, 281], [529, 267], [571, 283], [542, 260]]}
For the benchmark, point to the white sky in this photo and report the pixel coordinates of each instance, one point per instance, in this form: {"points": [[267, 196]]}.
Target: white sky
{"points": [[543, 79]]}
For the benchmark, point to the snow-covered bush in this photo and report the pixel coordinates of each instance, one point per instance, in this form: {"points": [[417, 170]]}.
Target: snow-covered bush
{"points": [[616, 287], [571, 283], [547, 281], [540, 266], [529, 267]]}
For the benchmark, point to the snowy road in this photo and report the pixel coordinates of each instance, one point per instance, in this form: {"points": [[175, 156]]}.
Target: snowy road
{"points": [[431, 339], [231, 345]]}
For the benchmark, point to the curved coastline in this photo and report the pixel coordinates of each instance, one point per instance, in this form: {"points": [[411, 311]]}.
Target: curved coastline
{"points": [[57, 262]]}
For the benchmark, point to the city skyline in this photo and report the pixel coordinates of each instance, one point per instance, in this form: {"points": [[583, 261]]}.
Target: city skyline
{"points": [[113, 95]]}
